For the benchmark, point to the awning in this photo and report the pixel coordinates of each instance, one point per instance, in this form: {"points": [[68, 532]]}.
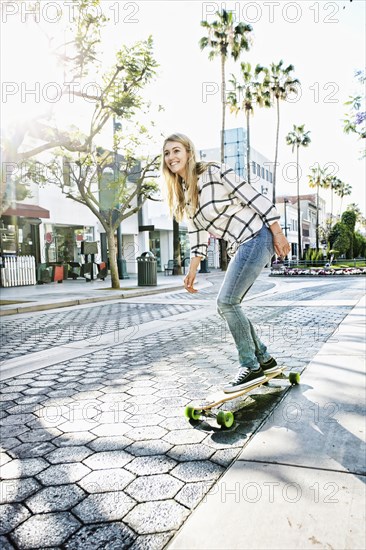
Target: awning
{"points": [[27, 211]]}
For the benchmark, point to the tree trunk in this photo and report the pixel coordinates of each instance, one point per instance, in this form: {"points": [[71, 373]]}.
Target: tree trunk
{"points": [[223, 102], [176, 248], [112, 254], [223, 254], [351, 253], [248, 147], [299, 254], [275, 162], [331, 205], [276, 152], [317, 218], [340, 208]]}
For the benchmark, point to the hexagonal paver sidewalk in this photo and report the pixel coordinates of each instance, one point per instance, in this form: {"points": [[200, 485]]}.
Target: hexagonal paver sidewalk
{"points": [[96, 452]]}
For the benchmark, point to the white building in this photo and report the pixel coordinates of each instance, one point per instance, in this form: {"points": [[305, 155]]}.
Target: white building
{"points": [[287, 208], [288, 222], [54, 227], [261, 168]]}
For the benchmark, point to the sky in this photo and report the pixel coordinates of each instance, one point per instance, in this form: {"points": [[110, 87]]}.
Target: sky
{"points": [[325, 41]]}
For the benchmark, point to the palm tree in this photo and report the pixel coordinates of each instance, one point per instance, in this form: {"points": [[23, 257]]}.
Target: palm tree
{"points": [[334, 183], [318, 179], [250, 92], [224, 39], [298, 138], [279, 82], [342, 190]]}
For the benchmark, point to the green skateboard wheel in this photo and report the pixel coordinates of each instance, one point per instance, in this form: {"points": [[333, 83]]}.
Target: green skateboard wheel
{"points": [[225, 419], [192, 413], [294, 378]]}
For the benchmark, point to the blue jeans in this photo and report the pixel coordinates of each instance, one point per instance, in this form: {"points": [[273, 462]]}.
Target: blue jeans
{"points": [[243, 270]]}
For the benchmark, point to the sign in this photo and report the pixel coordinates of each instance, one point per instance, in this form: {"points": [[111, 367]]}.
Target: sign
{"points": [[146, 227]]}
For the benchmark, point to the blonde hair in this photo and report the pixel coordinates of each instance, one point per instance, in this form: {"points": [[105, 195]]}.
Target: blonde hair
{"points": [[175, 194]]}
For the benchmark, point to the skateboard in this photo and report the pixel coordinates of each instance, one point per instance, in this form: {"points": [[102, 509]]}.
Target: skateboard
{"points": [[225, 419]]}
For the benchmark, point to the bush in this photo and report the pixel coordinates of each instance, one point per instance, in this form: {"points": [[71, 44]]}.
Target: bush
{"points": [[319, 256], [340, 238], [314, 255], [359, 245], [349, 219]]}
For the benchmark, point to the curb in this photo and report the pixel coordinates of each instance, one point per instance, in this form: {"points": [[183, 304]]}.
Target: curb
{"points": [[329, 276], [78, 302]]}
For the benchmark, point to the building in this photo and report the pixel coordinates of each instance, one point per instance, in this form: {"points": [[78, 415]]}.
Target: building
{"points": [[19, 229], [235, 156], [288, 212], [47, 225], [51, 227], [156, 233], [287, 207]]}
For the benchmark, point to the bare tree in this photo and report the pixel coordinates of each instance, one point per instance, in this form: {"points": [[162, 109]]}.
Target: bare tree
{"points": [[75, 160]]}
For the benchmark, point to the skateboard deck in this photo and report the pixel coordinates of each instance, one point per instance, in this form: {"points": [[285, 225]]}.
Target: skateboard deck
{"points": [[226, 419]]}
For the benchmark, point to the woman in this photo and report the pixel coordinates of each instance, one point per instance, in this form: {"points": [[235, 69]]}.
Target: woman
{"points": [[216, 201]]}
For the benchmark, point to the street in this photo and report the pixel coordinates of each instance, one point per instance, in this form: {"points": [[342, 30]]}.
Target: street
{"points": [[97, 452]]}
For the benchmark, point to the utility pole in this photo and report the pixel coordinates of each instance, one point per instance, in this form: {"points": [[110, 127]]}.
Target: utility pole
{"points": [[285, 201]]}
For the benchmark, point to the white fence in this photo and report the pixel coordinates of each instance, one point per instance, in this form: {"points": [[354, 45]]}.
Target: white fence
{"points": [[18, 271]]}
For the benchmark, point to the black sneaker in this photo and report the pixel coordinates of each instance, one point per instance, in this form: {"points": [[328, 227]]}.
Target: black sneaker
{"points": [[244, 379], [269, 366]]}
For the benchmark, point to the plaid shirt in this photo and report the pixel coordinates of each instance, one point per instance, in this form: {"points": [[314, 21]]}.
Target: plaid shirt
{"points": [[229, 208]]}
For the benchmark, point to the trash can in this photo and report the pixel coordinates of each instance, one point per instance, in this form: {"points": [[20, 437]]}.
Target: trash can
{"points": [[44, 274], [204, 267], [146, 269]]}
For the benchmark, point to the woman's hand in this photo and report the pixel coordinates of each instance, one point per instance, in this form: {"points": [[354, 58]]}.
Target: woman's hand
{"points": [[281, 244], [189, 281]]}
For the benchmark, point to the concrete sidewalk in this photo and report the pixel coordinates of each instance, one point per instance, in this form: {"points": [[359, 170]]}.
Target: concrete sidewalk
{"points": [[300, 481], [71, 293]]}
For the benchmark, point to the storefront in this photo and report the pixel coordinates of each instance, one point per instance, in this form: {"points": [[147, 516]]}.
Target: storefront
{"points": [[161, 245], [63, 242], [20, 230], [155, 247]]}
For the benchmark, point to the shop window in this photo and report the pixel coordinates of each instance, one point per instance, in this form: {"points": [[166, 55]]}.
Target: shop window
{"points": [[8, 239], [63, 243], [184, 245], [154, 245], [21, 238], [26, 239]]}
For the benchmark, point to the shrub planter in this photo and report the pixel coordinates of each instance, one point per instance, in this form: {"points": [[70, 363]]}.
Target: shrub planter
{"points": [[320, 272]]}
